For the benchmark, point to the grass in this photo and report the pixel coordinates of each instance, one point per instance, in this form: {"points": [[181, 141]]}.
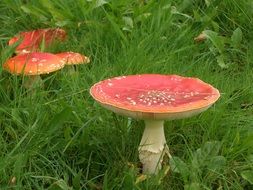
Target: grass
{"points": [[58, 137]]}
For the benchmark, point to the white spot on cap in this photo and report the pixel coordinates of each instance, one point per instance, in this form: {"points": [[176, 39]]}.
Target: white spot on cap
{"points": [[34, 59], [25, 51]]}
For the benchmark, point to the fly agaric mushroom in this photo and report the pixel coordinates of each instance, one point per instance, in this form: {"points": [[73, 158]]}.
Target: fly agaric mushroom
{"points": [[72, 58], [33, 65], [31, 40], [154, 98]]}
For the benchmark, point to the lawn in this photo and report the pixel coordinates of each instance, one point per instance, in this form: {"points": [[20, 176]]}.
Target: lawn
{"points": [[55, 136]]}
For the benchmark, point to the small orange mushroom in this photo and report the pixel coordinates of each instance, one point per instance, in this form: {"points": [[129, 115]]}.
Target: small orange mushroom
{"points": [[33, 65], [31, 40], [72, 58]]}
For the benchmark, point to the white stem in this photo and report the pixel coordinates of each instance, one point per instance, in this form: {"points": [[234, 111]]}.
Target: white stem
{"points": [[33, 81], [72, 70], [153, 146]]}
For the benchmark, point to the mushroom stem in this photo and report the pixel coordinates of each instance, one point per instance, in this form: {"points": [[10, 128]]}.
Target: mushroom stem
{"points": [[72, 70], [32, 81], [153, 146]]}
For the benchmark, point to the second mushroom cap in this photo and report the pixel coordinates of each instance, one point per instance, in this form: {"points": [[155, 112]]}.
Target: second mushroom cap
{"points": [[73, 58], [35, 63], [31, 40]]}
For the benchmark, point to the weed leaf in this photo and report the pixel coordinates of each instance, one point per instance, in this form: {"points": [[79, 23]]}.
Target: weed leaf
{"points": [[216, 40], [179, 166], [192, 186], [248, 176], [236, 38]]}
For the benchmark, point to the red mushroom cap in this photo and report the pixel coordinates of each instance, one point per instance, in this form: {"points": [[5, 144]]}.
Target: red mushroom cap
{"points": [[72, 58], [31, 40], [155, 94], [35, 63]]}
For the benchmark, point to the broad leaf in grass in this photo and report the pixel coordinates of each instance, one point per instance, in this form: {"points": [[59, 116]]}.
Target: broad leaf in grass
{"points": [[221, 62], [142, 17], [217, 163], [62, 23], [100, 3], [179, 166], [217, 41], [176, 12], [236, 38], [207, 3], [211, 148], [192, 186], [129, 24], [214, 167], [186, 4], [248, 176], [250, 158], [97, 3], [207, 156]]}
